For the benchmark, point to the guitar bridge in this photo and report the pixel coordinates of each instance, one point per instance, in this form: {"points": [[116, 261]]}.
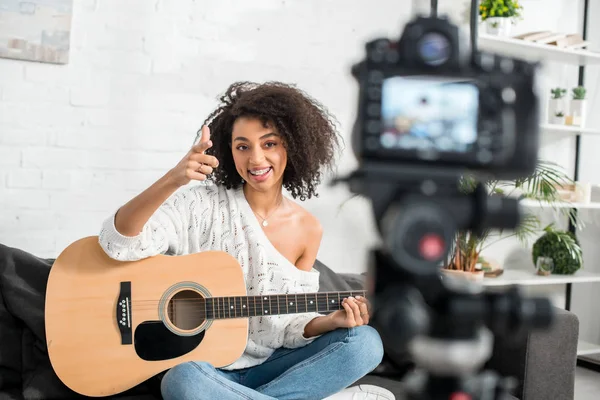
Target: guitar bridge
{"points": [[123, 313]]}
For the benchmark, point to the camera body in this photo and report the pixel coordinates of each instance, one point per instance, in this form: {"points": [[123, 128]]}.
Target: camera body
{"points": [[427, 100], [430, 111]]}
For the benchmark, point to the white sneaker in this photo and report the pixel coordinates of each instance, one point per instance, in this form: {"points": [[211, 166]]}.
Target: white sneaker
{"points": [[363, 392]]}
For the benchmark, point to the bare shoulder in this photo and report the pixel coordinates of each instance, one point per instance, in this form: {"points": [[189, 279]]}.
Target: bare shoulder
{"points": [[308, 223], [310, 233]]}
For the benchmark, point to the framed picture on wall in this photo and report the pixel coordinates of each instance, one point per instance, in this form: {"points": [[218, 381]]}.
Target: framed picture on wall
{"points": [[36, 30]]}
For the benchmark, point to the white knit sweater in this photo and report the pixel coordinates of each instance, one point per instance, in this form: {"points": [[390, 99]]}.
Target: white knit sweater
{"points": [[200, 218]]}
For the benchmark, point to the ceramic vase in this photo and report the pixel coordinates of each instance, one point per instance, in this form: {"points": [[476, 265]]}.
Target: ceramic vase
{"points": [[498, 26], [578, 112], [554, 107]]}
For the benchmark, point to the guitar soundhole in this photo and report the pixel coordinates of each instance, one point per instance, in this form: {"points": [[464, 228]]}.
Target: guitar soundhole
{"points": [[186, 310]]}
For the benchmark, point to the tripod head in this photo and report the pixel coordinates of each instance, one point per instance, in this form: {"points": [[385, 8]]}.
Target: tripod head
{"points": [[430, 112]]}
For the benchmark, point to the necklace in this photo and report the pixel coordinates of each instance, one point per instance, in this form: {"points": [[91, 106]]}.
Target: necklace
{"points": [[265, 222]]}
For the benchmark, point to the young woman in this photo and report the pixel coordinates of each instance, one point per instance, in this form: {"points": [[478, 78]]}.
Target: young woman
{"points": [[260, 140]]}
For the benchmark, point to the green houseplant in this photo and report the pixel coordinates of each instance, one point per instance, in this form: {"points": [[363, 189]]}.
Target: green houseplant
{"points": [[561, 247], [579, 93], [541, 186], [558, 93], [556, 105], [499, 15], [577, 114], [559, 118]]}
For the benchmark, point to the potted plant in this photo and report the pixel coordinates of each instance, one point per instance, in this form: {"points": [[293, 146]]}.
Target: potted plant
{"points": [[556, 105], [578, 107], [499, 15], [559, 249], [466, 256], [543, 265], [558, 119]]}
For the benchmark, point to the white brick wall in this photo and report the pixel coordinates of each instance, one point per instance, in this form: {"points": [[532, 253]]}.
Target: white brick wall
{"points": [[78, 140]]}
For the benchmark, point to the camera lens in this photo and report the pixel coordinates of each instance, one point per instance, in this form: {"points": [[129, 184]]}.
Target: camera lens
{"points": [[434, 49], [418, 234]]}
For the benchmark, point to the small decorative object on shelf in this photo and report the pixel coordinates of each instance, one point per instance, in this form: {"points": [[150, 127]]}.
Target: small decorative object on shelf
{"points": [[499, 15], [571, 41], [562, 247], [544, 266], [577, 110], [490, 267], [561, 40], [557, 106], [583, 192], [576, 192]]}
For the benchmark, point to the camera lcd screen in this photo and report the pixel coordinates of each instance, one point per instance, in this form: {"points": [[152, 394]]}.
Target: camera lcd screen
{"points": [[429, 113]]}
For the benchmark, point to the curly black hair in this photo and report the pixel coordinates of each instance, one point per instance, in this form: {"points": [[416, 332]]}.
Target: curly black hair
{"points": [[308, 131]]}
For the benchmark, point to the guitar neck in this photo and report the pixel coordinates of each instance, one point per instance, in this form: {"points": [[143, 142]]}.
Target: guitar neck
{"points": [[252, 306]]}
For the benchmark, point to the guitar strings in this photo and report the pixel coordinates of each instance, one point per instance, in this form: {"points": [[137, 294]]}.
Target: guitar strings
{"points": [[231, 305], [219, 313], [235, 302], [224, 309], [302, 295], [221, 307], [319, 295], [299, 298], [201, 314]]}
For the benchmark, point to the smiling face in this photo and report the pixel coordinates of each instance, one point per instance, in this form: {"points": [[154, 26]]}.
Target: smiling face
{"points": [[258, 153]]}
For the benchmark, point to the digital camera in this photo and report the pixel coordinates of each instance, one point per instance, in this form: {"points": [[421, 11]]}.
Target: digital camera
{"points": [[428, 100], [430, 110]]}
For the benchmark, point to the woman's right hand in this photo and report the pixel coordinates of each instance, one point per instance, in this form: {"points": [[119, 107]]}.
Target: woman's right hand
{"points": [[196, 165]]}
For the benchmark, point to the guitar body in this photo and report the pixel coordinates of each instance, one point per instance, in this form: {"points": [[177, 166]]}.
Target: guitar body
{"points": [[111, 325]]}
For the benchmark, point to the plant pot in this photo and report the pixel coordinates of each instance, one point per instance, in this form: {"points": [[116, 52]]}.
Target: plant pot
{"points": [[498, 26], [577, 111], [542, 272], [554, 107], [473, 276], [544, 266]]}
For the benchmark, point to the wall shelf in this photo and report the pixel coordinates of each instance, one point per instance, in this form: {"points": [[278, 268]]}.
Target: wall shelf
{"points": [[544, 53], [529, 278], [536, 51], [568, 130], [542, 204]]}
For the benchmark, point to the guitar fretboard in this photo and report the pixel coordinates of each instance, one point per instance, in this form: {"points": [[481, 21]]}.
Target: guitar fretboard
{"points": [[251, 306]]}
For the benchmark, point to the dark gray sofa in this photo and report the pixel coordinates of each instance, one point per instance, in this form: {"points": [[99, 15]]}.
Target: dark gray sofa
{"points": [[544, 363]]}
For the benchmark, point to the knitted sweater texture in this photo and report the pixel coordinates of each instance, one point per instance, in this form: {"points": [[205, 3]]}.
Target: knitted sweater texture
{"points": [[202, 217]]}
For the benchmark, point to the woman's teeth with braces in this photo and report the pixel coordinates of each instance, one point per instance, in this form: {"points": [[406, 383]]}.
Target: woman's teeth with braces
{"points": [[260, 171]]}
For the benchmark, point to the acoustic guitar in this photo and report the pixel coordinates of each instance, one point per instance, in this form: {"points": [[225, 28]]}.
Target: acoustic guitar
{"points": [[111, 325]]}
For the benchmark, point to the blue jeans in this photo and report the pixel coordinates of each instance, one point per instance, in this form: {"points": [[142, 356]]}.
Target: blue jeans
{"points": [[323, 367]]}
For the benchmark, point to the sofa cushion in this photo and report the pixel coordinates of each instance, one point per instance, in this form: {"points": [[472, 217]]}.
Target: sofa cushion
{"points": [[329, 280], [25, 369], [10, 352]]}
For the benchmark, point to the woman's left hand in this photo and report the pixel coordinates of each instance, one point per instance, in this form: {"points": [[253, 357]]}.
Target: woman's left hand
{"points": [[355, 313]]}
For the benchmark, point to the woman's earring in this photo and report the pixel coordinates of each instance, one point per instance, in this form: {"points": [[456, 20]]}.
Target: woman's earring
{"points": [[243, 181]]}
